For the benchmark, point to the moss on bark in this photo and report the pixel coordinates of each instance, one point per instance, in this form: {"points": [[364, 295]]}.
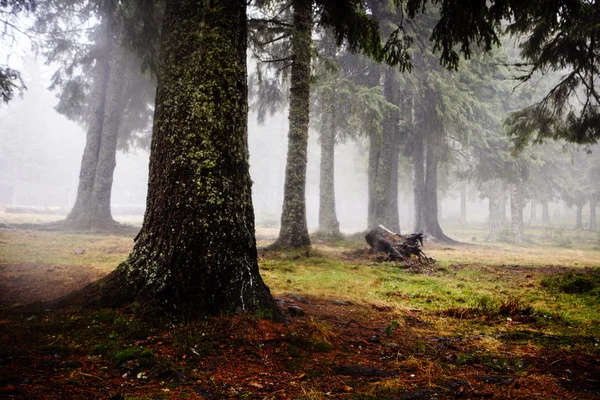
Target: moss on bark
{"points": [[294, 229], [196, 253]]}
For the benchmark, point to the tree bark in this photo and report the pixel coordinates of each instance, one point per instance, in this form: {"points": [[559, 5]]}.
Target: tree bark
{"points": [[430, 215], [545, 213], [81, 215], [107, 156], [593, 212], [463, 203], [516, 211], [294, 228], [495, 219], [532, 214], [383, 167], [196, 253], [328, 222], [503, 218], [418, 156], [579, 214]]}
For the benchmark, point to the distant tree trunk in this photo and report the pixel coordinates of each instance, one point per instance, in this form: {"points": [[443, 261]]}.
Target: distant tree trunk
{"points": [[503, 218], [107, 156], [593, 212], [383, 167], [463, 203], [328, 222], [545, 213], [579, 215], [532, 214], [430, 214], [294, 229], [495, 218], [82, 215], [196, 253], [418, 156], [516, 211]]}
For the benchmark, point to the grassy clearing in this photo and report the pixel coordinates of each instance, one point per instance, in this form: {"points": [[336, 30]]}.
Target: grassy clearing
{"points": [[488, 320]]}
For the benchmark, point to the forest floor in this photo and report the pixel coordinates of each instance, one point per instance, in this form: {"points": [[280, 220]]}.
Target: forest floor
{"points": [[484, 321]]}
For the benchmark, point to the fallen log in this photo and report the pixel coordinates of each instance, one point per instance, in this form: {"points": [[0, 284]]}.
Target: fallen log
{"points": [[396, 246]]}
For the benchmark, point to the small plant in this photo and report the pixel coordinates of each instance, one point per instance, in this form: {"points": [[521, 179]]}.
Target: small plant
{"points": [[389, 330]]}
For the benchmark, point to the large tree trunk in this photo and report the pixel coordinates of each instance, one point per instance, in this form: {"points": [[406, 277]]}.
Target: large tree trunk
{"points": [[81, 215], [328, 222], [545, 213], [593, 212], [516, 211], [196, 253], [294, 229]]}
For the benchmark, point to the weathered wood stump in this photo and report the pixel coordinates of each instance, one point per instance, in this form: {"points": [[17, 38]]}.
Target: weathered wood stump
{"points": [[397, 247]]}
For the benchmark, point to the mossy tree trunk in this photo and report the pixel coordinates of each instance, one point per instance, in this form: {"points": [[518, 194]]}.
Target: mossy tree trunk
{"points": [[92, 205], [328, 222], [196, 253], [294, 228]]}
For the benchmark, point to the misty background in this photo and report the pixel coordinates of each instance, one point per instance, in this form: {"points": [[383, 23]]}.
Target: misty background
{"points": [[40, 157]]}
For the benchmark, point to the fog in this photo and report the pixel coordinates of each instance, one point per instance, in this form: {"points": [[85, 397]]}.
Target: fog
{"points": [[41, 154]]}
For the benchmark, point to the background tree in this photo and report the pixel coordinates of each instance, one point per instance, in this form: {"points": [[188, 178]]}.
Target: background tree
{"points": [[101, 86]]}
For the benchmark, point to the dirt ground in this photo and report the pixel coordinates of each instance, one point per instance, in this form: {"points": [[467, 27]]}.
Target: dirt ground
{"points": [[329, 348]]}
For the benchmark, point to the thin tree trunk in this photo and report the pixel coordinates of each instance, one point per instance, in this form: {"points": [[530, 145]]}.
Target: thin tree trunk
{"points": [[294, 229], [463, 203], [390, 124], [593, 212], [579, 215], [328, 222], [516, 211], [532, 214], [383, 167], [545, 213], [418, 156], [196, 253], [503, 218], [495, 219], [372, 174], [430, 214]]}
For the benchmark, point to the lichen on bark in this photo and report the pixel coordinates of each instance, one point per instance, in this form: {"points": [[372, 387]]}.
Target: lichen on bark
{"points": [[294, 228], [196, 253]]}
